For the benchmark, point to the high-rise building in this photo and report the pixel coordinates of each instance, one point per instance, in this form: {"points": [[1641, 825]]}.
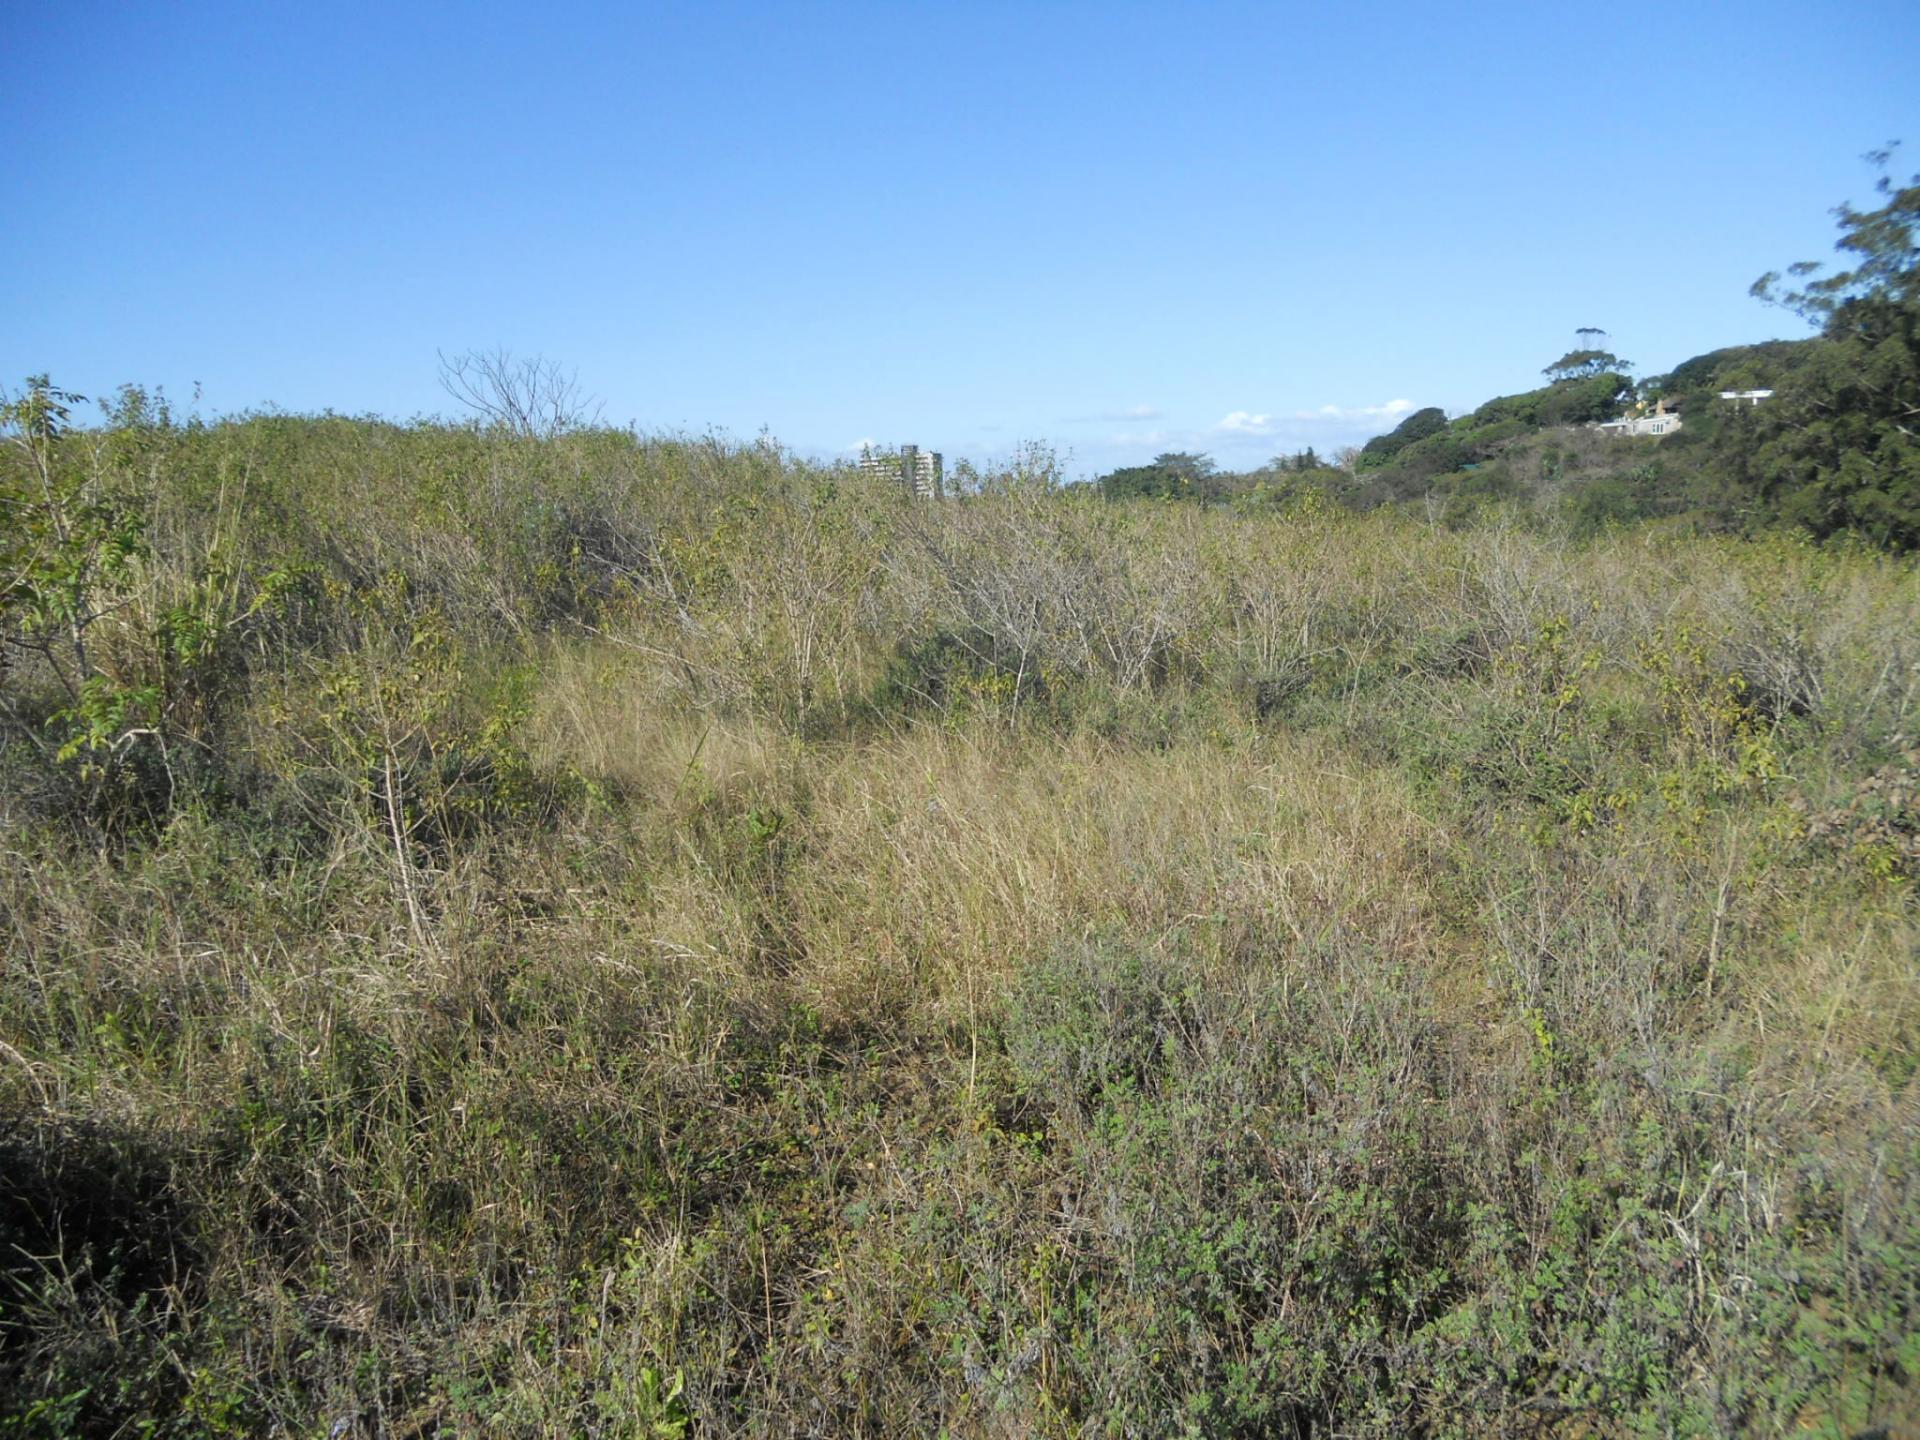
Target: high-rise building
{"points": [[921, 472]]}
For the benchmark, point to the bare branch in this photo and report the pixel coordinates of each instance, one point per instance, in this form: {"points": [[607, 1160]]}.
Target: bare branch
{"points": [[532, 397]]}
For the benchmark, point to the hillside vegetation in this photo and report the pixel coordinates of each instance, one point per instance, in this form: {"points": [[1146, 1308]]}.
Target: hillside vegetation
{"points": [[591, 935], [1833, 450]]}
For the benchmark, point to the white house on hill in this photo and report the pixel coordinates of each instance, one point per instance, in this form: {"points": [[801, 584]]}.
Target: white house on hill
{"points": [[1642, 422]]}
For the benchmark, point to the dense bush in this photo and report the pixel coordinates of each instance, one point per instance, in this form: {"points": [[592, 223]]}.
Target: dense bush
{"points": [[621, 936], [1416, 427]]}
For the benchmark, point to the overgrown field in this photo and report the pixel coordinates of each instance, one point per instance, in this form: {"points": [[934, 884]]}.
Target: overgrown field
{"points": [[597, 936]]}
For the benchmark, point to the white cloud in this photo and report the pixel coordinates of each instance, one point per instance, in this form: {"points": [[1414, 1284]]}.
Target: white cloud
{"points": [[866, 442], [1144, 437], [1243, 422], [1356, 412]]}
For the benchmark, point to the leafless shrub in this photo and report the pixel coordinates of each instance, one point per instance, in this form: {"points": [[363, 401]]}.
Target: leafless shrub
{"points": [[1033, 584], [532, 397], [1520, 583], [1769, 643]]}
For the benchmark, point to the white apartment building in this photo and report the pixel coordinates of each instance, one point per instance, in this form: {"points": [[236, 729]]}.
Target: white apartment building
{"points": [[922, 472]]}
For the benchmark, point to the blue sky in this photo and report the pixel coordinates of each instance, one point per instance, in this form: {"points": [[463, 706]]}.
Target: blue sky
{"points": [[1116, 228]]}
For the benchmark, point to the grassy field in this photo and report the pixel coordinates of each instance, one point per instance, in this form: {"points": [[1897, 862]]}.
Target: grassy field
{"points": [[602, 936]]}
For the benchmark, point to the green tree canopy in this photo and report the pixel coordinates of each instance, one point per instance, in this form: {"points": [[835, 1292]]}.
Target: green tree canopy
{"points": [[1416, 427], [1838, 447], [1177, 474], [1881, 244], [1585, 365]]}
